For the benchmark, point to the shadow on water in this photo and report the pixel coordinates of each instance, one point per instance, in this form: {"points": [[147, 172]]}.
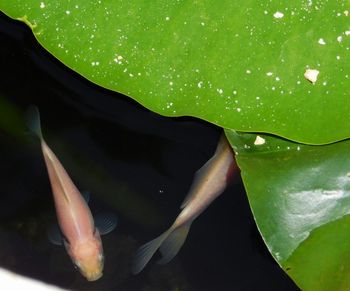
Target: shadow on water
{"points": [[134, 162]]}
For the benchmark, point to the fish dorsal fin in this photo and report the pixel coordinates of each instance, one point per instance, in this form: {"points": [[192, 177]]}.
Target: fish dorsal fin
{"points": [[105, 222], [34, 124], [61, 185], [57, 167], [203, 172], [198, 178]]}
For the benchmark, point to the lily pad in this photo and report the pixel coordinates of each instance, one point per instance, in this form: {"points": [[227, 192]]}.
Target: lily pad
{"points": [[300, 198], [237, 64]]}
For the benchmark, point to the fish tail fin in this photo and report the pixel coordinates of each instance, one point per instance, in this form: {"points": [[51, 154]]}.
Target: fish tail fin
{"points": [[33, 120], [169, 244], [173, 243], [146, 252]]}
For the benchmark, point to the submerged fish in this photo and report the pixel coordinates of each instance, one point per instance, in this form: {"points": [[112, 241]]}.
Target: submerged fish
{"points": [[80, 236], [210, 181]]}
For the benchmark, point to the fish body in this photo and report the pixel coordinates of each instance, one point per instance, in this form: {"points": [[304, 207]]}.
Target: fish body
{"points": [[210, 181], [81, 238]]}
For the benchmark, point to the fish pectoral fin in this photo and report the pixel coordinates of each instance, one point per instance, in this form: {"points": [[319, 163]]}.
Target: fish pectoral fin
{"points": [[173, 243], [55, 235], [145, 252], [86, 196], [105, 222]]}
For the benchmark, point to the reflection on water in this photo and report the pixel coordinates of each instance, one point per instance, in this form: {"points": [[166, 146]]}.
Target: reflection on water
{"points": [[134, 163]]}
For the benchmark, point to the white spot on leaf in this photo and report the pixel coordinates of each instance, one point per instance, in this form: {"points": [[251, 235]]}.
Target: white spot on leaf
{"points": [[259, 140], [321, 41], [311, 75], [278, 14]]}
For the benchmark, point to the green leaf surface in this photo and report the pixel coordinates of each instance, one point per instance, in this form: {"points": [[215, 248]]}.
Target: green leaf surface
{"points": [[238, 64], [300, 198]]}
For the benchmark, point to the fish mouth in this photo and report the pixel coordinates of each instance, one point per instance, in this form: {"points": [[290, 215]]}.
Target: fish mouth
{"points": [[94, 277]]}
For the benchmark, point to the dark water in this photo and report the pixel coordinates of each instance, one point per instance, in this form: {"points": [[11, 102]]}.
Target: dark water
{"points": [[134, 162]]}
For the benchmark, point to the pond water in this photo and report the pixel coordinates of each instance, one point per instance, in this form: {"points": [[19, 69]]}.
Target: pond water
{"points": [[134, 163]]}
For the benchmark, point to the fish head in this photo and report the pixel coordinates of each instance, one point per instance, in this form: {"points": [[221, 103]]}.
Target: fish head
{"points": [[87, 257]]}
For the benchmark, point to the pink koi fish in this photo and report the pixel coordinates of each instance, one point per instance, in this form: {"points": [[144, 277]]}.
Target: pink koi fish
{"points": [[210, 181], [80, 236]]}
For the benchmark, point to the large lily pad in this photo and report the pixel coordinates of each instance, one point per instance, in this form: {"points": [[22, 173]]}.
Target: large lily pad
{"points": [[300, 197], [239, 64]]}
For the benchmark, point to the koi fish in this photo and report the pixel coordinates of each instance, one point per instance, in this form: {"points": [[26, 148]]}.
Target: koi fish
{"points": [[80, 236], [210, 181]]}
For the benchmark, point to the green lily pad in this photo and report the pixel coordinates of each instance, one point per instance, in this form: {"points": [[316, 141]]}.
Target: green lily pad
{"points": [[328, 247], [300, 198], [238, 64]]}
